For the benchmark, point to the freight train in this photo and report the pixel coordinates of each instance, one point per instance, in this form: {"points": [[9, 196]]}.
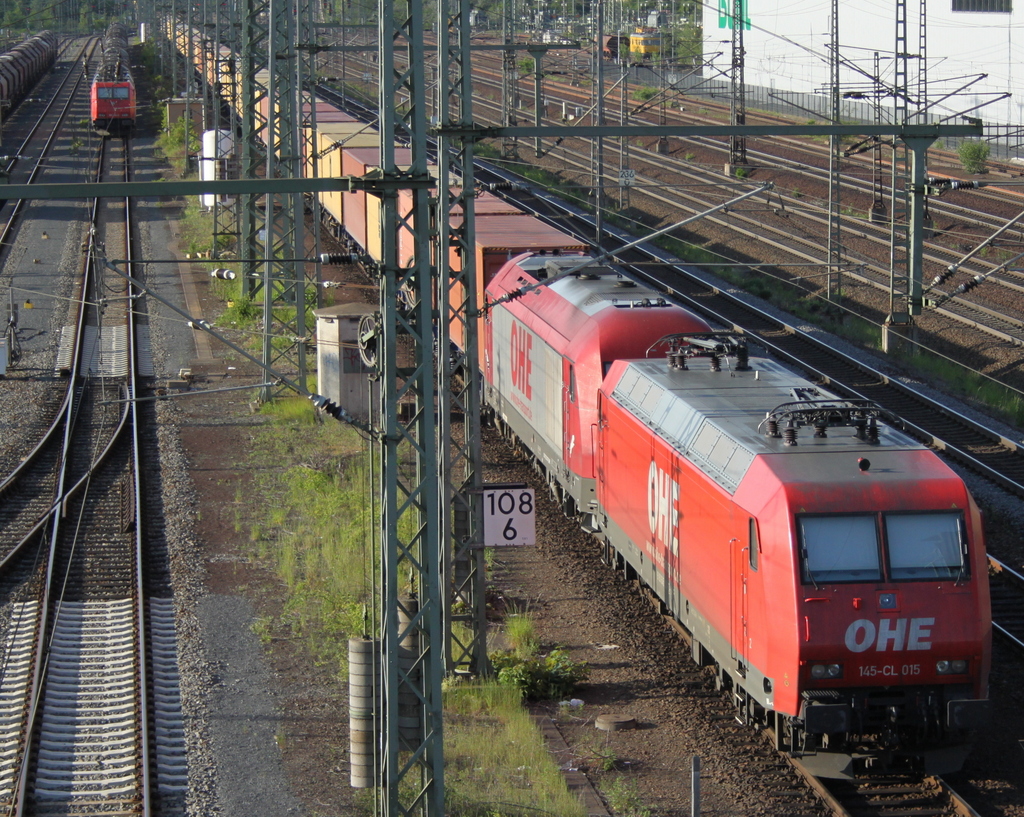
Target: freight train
{"points": [[112, 95], [24, 64], [830, 568]]}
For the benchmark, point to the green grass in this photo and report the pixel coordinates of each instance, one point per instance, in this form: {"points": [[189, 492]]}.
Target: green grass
{"points": [[496, 759], [312, 521], [309, 516], [521, 633], [624, 798]]}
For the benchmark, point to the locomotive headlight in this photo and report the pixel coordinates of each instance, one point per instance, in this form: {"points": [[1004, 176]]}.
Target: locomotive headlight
{"points": [[820, 671], [957, 667]]}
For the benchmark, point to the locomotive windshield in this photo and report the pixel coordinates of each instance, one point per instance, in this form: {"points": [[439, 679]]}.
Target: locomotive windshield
{"points": [[925, 545], [840, 549], [845, 548]]}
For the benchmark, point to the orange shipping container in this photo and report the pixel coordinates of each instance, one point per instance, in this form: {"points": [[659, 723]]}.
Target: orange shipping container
{"points": [[329, 140], [355, 205], [501, 237]]}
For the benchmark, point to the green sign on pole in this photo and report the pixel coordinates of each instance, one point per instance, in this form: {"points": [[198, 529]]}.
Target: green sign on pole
{"points": [[725, 11]]}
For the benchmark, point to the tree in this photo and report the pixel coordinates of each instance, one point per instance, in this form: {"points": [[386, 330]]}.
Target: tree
{"points": [[973, 155]]}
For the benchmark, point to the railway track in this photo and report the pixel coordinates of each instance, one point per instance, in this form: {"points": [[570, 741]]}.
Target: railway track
{"points": [[888, 796], [1007, 587], [792, 233], [30, 469], [90, 717]]}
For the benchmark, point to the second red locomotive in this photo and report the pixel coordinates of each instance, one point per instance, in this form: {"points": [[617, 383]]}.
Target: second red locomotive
{"points": [[112, 96], [830, 567]]}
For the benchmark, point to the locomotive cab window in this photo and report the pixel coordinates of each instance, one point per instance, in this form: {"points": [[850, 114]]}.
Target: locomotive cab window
{"points": [[926, 545], [112, 92], [839, 548]]}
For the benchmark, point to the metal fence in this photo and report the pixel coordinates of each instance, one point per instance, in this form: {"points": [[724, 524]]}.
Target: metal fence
{"points": [[1006, 142]]}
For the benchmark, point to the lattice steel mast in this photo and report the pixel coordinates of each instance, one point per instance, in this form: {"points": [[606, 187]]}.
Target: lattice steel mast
{"points": [[224, 210], [738, 98], [459, 390], [254, 32], [411, 530], [835, 234], [509, 80], [899, 273]]}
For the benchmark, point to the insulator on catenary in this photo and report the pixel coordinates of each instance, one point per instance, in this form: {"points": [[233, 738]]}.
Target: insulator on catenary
{"points": [[223, 274], [338, 258], [953, 184], [942, 276], [494, 187], [330, 407], [967, 287]]}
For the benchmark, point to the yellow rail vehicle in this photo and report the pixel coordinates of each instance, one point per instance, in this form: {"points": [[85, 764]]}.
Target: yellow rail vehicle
{"points": [[646, 42]]}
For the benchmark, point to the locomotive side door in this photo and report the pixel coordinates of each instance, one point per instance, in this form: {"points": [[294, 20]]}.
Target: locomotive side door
{"points": [[743, 556], [570, 415]]}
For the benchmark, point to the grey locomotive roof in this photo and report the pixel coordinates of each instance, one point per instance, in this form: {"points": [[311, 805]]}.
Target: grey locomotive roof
{"points": [[595, 286], [715, 418]]}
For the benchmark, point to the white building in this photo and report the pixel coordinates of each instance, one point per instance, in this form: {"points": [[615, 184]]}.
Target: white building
{"points": [[975, 50]]}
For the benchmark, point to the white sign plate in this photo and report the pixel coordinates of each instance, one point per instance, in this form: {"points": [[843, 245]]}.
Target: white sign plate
{"points": [[509, 517], [626, 177]]}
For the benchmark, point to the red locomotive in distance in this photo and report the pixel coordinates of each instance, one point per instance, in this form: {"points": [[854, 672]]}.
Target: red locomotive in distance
{"points": [[112, 95], [831, 568]]}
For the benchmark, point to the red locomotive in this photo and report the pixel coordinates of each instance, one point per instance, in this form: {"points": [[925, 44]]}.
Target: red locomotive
{"points": [[831, 568], [544, 356], [112, 96]]}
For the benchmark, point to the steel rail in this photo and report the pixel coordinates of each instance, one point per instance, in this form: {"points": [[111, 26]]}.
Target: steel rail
{"points": [[50, 779], [136, 469], [34, 697]]}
